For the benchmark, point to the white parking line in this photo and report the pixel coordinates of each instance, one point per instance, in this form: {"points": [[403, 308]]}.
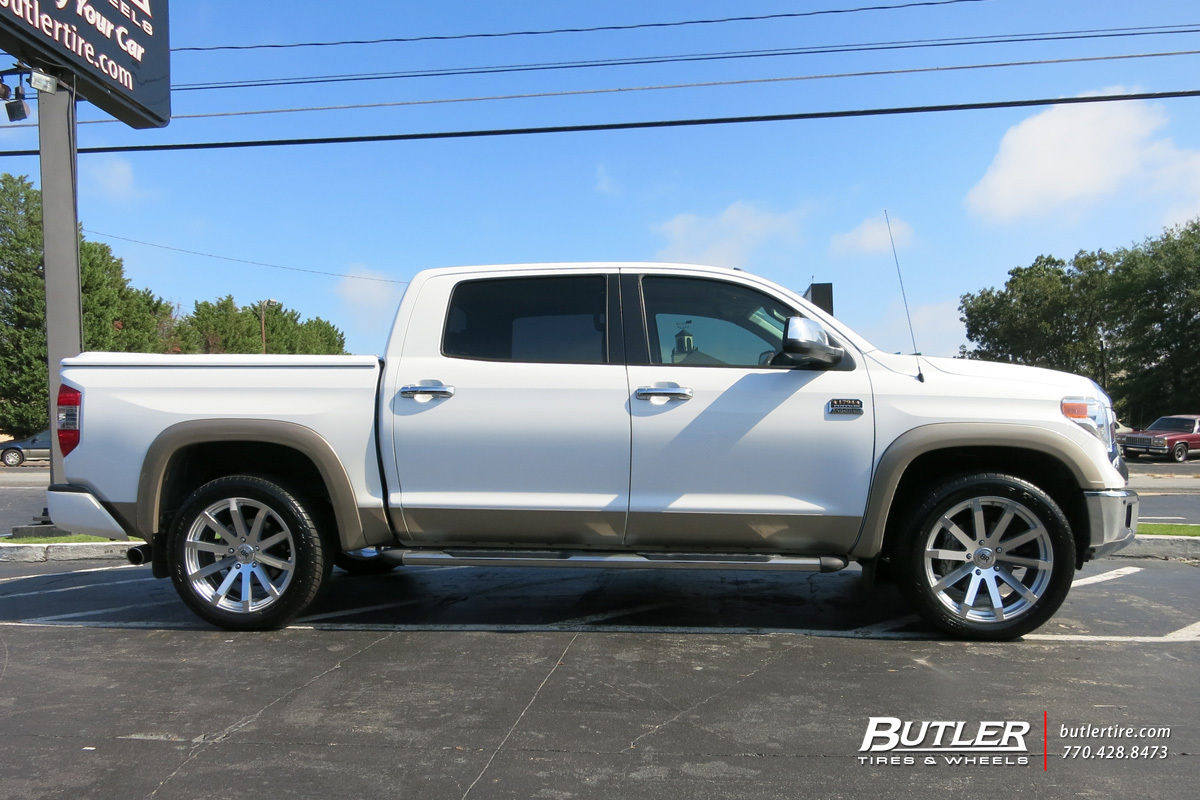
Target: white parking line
{"points": [[98, 611], [1106, 576], [75, 588], [72, 572]]}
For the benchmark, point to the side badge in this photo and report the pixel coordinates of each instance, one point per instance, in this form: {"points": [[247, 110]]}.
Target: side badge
{"points": [[851, 407]]}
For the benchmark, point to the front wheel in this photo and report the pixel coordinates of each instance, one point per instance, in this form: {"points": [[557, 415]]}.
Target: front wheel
{"points": [[13, 458], [245, 554], [1180, 453], [987, 556]]}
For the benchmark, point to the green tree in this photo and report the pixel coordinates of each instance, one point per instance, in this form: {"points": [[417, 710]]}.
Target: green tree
{"points": [[1158, 325], [1049, 314], [224, 327]]}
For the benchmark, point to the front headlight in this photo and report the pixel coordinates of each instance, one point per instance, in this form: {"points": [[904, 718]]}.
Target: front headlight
{"points": [[1095, 415]]}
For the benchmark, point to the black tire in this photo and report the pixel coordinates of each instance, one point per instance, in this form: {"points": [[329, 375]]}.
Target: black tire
{"points": [[994, 584], [1179, 453], [362, 562], [13, 457], [264, 536], [1132, 456]]}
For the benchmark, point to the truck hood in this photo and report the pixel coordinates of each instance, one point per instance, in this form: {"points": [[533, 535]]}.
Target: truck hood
{"points": [[991, 371]]}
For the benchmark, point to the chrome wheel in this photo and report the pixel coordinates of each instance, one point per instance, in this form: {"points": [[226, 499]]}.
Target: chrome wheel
{"points": [[239, 555], [13, 458], [245, 554], [985, 556], [988, 559]]}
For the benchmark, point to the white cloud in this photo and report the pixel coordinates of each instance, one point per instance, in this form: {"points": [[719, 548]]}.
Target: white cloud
{"points": [[729, 238], [872, 237], [369, 300], [604, 182], [1070, 157], [112, 178]]}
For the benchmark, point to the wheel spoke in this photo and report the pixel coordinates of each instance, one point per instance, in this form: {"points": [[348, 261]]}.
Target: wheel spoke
{"points": [[972, 592], [953, 577], [239, 522], [947, 555], [247, 590], [1021, 561], [1020, 539], [271, 541], [957, 532], [226, 584], [277, 563], [1021, 588], [979, 520], [265, 582], [213, 568], [208, 547], [220, 529], [994, 593], [260, 519], [997, 533]]}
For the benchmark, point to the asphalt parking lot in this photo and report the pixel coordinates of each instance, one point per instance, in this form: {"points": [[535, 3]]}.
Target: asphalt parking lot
{"points": [[522, 683]]}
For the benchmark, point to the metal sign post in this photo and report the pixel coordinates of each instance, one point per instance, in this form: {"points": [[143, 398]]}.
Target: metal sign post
{"points": [[60, 231]]}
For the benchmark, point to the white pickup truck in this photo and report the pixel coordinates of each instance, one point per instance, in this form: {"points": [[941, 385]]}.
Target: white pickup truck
{"points": [[609, 415]]}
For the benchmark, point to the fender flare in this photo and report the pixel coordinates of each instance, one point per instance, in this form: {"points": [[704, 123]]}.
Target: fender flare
{"points": [[289, 434], [914, 443]]}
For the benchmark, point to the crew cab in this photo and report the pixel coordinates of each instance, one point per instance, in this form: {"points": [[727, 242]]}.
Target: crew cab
{"points": [[608, 415], [1176, 437]]}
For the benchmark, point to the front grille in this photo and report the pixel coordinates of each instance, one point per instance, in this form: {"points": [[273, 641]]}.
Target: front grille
{"points": [[1138, 441]]}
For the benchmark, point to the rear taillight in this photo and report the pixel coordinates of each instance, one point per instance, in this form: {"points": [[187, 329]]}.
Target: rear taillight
{"points": [[69, 401]]}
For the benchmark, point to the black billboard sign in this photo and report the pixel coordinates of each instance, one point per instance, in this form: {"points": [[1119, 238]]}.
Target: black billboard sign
{"points": [[118, 50]]}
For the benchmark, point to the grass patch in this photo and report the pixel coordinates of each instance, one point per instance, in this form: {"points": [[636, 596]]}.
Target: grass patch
{"points": [[1158, 529], [53, 539]]}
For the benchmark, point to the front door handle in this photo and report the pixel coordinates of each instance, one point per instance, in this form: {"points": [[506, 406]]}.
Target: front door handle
{"points": [[671, 393], [436, 390]]}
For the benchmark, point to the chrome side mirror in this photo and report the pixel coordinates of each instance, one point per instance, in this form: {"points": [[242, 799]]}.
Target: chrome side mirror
{"points": [[807, 344]]}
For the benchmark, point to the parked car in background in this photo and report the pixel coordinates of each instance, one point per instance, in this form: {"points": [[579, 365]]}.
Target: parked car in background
{"points": [[1175, 436], [36, 447]]}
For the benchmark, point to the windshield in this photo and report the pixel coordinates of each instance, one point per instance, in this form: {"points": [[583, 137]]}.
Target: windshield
{"points": [[1171, 424]]}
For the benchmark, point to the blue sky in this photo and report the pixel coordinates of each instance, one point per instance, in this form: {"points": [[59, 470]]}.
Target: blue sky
{"points": [[970, 194]]}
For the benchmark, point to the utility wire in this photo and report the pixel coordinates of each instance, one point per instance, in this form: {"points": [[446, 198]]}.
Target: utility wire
{"points": [[596, 29], [660, 87], [242, 260], [625, 126], [1055, 36]]}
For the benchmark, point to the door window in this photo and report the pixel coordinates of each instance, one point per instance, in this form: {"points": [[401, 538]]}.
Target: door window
{"points": [[558, 320], [698, 322]]}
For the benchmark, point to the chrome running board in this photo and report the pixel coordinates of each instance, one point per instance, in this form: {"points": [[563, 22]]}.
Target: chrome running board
{"points": [[599, 560]]}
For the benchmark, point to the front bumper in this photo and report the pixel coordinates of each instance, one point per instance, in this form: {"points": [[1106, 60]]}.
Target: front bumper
{"points": [[1147, 449], [75, 509], [1112, 518]]}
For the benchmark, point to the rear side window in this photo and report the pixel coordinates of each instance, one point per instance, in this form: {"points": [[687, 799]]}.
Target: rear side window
{"points": [[558, 320]]}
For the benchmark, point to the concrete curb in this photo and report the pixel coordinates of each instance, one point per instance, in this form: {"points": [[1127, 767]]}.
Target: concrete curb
{"points": [[67, 551], [1143, 546]]}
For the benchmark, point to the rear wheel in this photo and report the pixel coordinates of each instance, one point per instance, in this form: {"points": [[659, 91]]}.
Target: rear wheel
{"points": [[987, 556], [245, 554], [1180, 452]]}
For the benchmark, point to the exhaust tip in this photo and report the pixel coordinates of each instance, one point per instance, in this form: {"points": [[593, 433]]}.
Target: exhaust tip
{"points": [[139, 555]]}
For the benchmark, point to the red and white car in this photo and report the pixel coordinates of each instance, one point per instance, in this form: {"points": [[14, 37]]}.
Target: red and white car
{"points": [[1174, 436]]}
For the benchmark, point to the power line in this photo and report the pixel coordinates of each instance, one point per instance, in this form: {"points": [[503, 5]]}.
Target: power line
{"points": [[661, 87], [242, 260], [625, 126], [596, 29], [1023, 38]]}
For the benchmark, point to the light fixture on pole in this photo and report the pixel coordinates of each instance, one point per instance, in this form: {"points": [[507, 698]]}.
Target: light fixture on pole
{"points": [[43, 82], [17, 108], [5, 92], [263, 305]]}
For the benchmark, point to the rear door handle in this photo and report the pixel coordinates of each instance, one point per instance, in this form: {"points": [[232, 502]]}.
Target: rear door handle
{"points": [[436, 390], [671, 393]]}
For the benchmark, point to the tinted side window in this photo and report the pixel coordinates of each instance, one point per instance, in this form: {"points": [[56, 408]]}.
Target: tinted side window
{"points": [[559, 320], [698, 322]]}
